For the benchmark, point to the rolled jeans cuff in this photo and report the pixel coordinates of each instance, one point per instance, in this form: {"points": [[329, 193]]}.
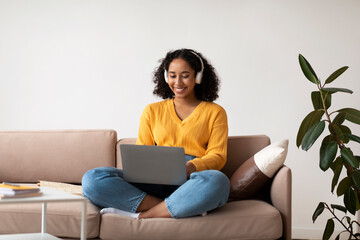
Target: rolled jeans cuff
{"points": [[138, 202], [168, 205]]}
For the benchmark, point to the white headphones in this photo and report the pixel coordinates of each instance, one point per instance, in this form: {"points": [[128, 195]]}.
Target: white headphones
{"points": [[199, 75]]}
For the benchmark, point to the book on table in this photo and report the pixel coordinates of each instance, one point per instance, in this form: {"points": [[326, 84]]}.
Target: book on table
{"points": [[9, 190], [65, 187]]}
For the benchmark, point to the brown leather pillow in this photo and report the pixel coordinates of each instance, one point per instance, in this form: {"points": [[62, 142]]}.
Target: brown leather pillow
{"points": [[256, 172], [247, 180]]}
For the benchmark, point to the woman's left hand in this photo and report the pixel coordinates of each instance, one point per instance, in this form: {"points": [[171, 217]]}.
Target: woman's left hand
{"points": [[190, 168]]}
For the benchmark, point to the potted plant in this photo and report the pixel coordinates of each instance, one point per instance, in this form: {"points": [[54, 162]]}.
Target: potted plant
{"points": [[334, 151]]}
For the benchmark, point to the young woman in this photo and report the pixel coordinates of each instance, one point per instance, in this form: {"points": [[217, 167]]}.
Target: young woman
{"points": [[187, 118]]}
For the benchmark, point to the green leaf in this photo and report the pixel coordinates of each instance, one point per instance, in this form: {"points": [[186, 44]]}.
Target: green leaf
{"points": [[336, 166], [309, 121], [344, 186], [353, 137], [338, 236], [348, 219], [307, 70], [336, 130], [352, 115], [329, 229], [330, 138], [312, 135], [339, 132], [328, 152], [317, 102], [336, 74], [356, 178], [339, 207], [344, 130], [318, 211], [339, 119], [348, 156], [335, 90], [350, 200]]}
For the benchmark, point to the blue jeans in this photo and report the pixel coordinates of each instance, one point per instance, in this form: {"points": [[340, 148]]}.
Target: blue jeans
{"points": [[204, 191]]}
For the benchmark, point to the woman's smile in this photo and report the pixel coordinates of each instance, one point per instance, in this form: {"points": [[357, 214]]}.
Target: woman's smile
{"points": [[180, 89]]}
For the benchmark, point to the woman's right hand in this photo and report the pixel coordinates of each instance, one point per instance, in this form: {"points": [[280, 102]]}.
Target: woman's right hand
{"points": [[190, 168]]}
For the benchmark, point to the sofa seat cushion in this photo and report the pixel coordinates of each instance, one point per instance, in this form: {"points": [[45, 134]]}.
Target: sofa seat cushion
{"points": [[247, 219], [63, 219]]}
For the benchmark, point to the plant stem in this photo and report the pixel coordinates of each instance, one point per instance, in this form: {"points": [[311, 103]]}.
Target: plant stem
{"points": [[348, 229], [341, 145]]}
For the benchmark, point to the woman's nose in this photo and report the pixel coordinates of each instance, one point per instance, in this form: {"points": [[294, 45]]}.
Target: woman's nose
{"points": [[178, 80]]}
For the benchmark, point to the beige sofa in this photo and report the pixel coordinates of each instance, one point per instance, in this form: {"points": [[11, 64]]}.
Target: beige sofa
{"points": [[64, 156]]}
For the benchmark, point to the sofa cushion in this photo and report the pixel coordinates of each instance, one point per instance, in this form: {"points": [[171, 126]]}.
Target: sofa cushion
{"points": [[248, 219], [253, 175], [59, 156], [63, 219]]}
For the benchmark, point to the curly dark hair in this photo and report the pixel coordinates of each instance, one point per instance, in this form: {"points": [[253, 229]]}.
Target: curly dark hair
{"points": [[206, 91]]}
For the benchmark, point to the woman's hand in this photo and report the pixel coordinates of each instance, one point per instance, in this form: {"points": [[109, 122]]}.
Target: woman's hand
{"points": [[190, 168]]}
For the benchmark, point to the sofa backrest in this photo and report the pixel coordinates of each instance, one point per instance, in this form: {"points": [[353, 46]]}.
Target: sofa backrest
{"points": [[240, 148], [60, 156]]}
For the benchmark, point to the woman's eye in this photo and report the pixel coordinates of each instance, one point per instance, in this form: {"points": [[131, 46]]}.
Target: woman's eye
{"points": [[173, 76], [185, 76]]}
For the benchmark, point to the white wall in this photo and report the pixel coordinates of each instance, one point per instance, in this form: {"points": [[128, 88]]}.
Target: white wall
{"points": [[88, 64]]}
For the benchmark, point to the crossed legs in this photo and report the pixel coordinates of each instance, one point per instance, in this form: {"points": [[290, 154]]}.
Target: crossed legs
{"points": [[204, 191]]}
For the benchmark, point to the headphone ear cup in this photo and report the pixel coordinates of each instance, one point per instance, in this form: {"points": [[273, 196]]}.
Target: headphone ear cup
{"points": [[198, 77], [166, 76]]}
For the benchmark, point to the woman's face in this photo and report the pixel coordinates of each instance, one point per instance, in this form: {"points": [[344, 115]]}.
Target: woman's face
{"points": [[181, 79]]}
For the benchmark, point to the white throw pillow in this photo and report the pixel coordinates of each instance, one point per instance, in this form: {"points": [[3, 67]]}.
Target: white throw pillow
{"points": [[272, 157]]}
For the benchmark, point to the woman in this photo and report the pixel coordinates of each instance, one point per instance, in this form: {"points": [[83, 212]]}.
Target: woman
{"points": [[186, 118]]}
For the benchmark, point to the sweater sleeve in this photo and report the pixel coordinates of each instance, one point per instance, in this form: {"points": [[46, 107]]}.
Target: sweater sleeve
{"points": [[216, 151], [145, 135]]}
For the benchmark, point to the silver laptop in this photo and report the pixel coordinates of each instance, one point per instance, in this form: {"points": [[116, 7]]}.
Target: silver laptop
{"points": [[153, 164]]}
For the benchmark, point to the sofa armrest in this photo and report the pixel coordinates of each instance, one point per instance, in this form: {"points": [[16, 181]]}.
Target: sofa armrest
{"points": [[280, 194]]}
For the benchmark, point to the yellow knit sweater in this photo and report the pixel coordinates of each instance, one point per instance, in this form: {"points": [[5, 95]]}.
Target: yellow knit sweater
{"points": [[202, 134]]}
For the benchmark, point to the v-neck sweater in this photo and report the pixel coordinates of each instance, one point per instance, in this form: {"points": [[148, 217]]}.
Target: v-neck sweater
{"points": [[203, 133]]}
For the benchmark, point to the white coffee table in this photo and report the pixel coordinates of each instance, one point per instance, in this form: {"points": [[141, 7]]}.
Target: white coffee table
{"points": [[49, 195]]}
